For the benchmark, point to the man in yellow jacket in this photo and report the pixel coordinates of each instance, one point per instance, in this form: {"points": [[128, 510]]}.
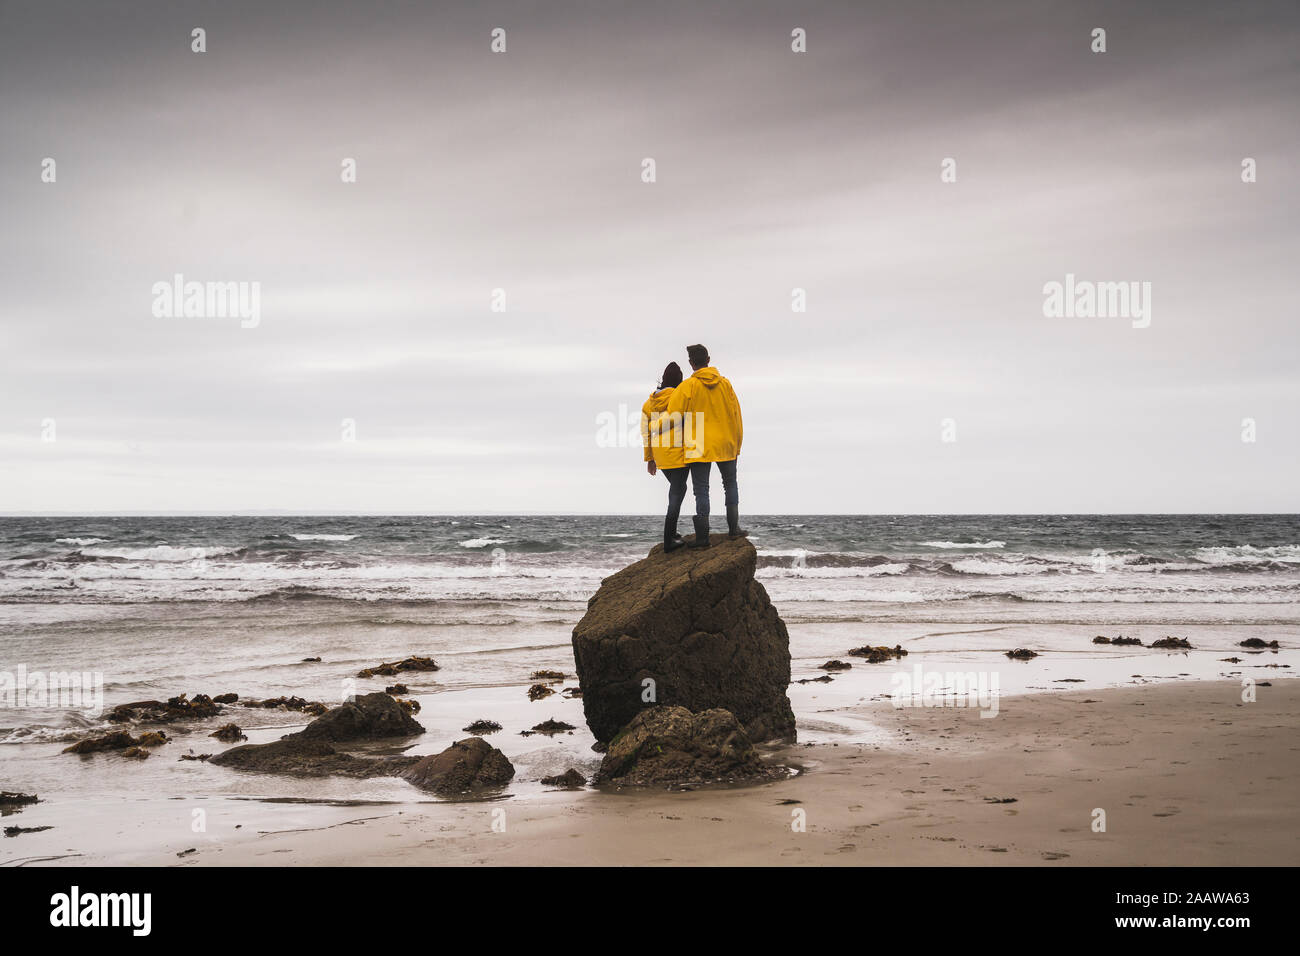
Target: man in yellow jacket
{"points": [[710, 416]]}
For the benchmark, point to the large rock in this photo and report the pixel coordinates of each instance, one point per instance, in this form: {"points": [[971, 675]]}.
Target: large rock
{"points": [[368, 717], [670, 745], [696, 623], [467, 765]]}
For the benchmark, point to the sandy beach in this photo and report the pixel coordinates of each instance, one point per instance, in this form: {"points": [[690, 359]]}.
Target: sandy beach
{"points": [[1186, 773]]}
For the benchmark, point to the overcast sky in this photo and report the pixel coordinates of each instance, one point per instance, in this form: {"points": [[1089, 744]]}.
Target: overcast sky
{"points": [[522, 171]]}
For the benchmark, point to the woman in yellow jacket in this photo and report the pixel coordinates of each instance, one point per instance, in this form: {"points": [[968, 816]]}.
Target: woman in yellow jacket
{"points": [[662, 446]]}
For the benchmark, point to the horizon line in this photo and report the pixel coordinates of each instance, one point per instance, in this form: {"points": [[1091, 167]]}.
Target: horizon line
{"points": [[628, 514]]}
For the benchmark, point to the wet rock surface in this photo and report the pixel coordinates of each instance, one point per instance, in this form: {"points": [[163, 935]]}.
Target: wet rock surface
{"points": [[297, 756], [310, 752], [174, 708], [119, 740], [697, 626], [467, 766], [570, 780], [229, 734], [405, 664], [539, 692], [878, 655], [11, 801], [552, 726], [366, 717], [670, 746]]}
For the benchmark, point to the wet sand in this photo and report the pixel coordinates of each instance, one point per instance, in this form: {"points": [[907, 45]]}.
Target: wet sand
{"points": [[1186, 774]]}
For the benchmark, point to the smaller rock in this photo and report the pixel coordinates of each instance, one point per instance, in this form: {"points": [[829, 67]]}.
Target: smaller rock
{"points": [[878, 655], [1256, 642], [405, 664], [229, 734], [310, 660], [314, 707], [118, 740], [195, 756], [570, 779], [482, 727], [572, 692], [368, 716], [539, 691], [670, 746], [309, 758], [1174, 643], [225, 698], [408, 705], [836, 665], [153, 739], [17, 831], [1021, 654], [548, 675], [135, 753], [396, 689], [174, 708], [11, 801], [467, 765], [824, 679], [552, 727]]}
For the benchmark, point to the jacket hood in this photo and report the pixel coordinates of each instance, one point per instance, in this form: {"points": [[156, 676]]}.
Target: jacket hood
{"points": [[659, 399], [708, 376]]}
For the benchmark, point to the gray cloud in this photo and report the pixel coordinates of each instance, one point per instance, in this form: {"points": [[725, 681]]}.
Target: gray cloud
{"points": [[776, 170]]}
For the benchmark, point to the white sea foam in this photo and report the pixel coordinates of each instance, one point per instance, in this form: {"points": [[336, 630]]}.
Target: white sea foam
{"points": [[79, 542], [322, 537], [481, 542], [976, 566], [860, 571], [953, 545], [1246, 554], [161, 552]]}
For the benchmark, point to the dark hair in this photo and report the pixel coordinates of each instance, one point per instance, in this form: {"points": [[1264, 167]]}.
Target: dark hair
{"points": [[698, 355], [672, 376]]}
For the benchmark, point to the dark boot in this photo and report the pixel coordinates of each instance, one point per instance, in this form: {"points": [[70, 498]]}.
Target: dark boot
{"points": [[672, 540], [734, 530], [701, 532]]}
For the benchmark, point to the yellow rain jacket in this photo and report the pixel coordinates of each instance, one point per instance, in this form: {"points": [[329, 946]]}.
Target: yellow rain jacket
{"points": [[660, 442], [710, 411]]}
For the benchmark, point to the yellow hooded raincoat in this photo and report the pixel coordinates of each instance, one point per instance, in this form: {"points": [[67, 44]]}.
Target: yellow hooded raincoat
{"points": [[660, 443], [711, 423]]}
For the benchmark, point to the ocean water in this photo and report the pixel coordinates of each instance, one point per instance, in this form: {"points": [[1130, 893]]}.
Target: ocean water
{"points": [[935, 563], [159, 606]]}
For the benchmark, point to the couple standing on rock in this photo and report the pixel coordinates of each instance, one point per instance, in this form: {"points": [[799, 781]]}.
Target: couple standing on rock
{"points": [[686, 426]]}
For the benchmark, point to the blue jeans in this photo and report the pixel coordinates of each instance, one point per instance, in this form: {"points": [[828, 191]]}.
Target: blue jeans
{"points": [[700, 485], [676, 495]]}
